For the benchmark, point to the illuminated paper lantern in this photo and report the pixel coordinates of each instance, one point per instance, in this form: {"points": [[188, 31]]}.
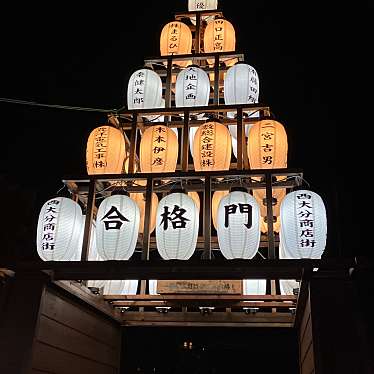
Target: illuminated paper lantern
{"points": [[192, 87], [303, 225], [219, 36], [59, 231], [158, 150], [216, 198], [195, 197], [177, 226], [176, 39], [144, 90], [267, 145], [139, 198], [106, 151], [212, 147], [238, 225], [204, 5], [117, 227], [121, 287]]}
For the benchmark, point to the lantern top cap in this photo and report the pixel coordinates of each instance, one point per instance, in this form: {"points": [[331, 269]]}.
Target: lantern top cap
{"points": [[119, 191], [193, 66], [178, 189], [239, 189]]}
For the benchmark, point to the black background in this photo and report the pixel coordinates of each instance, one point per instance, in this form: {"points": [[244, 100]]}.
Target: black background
{"points": [[311, 57]]}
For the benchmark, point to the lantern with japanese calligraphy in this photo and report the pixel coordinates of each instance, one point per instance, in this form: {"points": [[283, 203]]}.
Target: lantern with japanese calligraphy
{"points": [[303, 225], [106, 151], [158, 150], [192, 87], [139, 198], [59, 231], [219, 36], [121, 287], [177, 226], [212, 147], [238, 225], [144, 90], [201, 6], [117, 227], [217, 196], [267, 145], [176, 39]]}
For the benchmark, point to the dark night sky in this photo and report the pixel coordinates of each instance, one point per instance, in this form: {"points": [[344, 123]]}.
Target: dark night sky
{"points": [[310, 60]]}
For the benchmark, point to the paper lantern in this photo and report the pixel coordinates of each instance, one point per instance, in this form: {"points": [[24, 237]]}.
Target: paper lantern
{"points": [[158, 150], [59, 231], [195, 197], [267, 145], [117, 226], [204, 5], [177, 227], [121, 287], [176, 39], [303, 225], [212, 147], [254, 286], [192, 87], [217, 196], [144, 90], [238, 225], [278, 195], [219, 36], [106, 151], [139, 198]]}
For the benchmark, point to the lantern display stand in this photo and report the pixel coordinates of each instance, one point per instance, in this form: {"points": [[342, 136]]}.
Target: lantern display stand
{"points": [[274, 309]]}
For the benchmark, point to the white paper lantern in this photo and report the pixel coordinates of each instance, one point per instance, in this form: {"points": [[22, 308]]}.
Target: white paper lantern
{"points": [[177, 227], [254, 286], [303, 225], [238, 225], [60, 227], [144, 90], [121, 287], [117, 227], [192, 87]]}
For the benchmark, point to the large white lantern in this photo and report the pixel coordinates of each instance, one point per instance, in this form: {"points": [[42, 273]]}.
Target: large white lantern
{"points": [[238, 225], [176, 39], [158, 150], [192, 87], [177, 226], [212, 147], [219, 36], [144, 90], [117, 227], [106, 151], [121, 287], [59, 231], [303, 225]]}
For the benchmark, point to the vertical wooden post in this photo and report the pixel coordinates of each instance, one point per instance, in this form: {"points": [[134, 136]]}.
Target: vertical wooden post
{"points": [[19, 322], [185, 137], [240, 137], [269, 205], [147, 219], [197, 33], [168, 82], [133, 140], [216, 80], [88, 220], [207, 218]]}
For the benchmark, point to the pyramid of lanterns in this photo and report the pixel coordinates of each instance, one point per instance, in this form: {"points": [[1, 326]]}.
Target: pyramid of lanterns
{"points": [[238, 215]]}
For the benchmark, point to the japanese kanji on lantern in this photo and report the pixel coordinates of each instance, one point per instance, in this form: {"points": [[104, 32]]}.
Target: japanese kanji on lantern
{"points": [[241, 86], [176, 39], [139, 198], [106, 151], [158, 150], [219, 36], [117, 227], [59, 231], [238, 225], [202, 5], [212, 147], [303, 225], [267, 145], [177, 226], [192, 87], [144, 90]]}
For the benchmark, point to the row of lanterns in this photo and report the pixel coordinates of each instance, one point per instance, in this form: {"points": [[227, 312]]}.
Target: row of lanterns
{"points": [[192, 87], [302, 216], [211, 148]]}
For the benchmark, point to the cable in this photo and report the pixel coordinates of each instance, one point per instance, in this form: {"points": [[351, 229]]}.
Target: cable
{"points": [[55, 106]]}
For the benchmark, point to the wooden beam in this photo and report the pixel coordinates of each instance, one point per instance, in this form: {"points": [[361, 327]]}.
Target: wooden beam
{"points": [[215, 303], [206, 324]]}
